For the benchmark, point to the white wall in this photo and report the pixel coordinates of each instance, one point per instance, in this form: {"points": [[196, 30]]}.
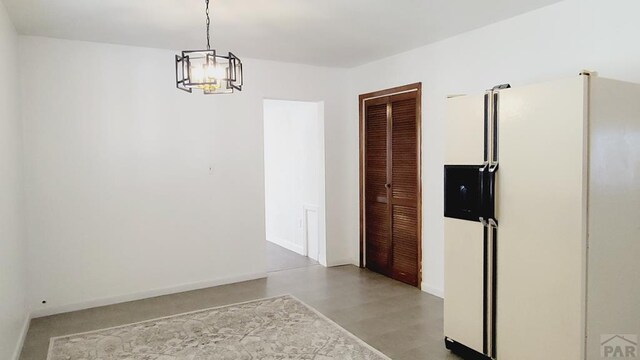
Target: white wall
{"points": [[555, 41], [294, 176], [120, 200], [13, 310]]}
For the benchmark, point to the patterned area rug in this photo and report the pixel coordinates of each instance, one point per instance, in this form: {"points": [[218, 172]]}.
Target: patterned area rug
{"points": [[277, 328]]}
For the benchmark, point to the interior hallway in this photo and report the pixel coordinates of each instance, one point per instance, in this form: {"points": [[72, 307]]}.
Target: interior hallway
{"points": [[279, 258], [397, 319]]}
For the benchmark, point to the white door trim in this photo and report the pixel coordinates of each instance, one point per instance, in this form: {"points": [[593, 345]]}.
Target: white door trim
{"points": [[306, 209]]}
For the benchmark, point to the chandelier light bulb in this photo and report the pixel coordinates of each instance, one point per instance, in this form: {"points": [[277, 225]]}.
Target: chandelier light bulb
{"points": [[215, 72], [197, 74]]}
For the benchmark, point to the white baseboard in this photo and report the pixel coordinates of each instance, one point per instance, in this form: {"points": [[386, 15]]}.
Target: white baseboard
{"points": [[433, 290], [286, 244], [144, 294], [23, 337]]}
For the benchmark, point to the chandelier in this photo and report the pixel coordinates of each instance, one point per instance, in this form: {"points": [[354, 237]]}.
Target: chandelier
{"points": [[207, 70]]}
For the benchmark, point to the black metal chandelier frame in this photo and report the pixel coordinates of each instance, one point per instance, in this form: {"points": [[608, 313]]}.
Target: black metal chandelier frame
{"points": [[233, 79], [229, 79]]}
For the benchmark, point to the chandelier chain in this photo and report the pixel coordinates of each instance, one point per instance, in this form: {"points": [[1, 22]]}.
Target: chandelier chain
{"points": [[208, 26]]}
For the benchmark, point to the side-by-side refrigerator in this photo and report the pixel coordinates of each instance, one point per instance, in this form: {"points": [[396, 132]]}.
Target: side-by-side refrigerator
{"points": [[542, 220]]}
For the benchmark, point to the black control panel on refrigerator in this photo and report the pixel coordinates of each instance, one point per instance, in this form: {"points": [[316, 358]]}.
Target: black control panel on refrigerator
{"points": [[462, 191]]}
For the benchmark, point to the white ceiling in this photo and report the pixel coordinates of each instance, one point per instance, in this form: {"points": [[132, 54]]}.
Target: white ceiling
{"points": [[341, 33]]}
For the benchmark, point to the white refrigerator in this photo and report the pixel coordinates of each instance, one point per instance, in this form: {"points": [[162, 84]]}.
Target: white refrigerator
{"points": [[542, 221]]}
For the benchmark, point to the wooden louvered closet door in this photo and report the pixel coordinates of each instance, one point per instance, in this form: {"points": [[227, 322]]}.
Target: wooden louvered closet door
{"points": [[391, 186], [376, 192]]}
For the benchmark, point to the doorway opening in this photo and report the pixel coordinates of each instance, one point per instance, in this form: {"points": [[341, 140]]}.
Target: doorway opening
{"points": [[294, 184], [391, 183]]}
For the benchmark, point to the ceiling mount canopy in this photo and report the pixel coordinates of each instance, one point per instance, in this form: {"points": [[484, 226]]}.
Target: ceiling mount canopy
{"points": [[207, 70]]}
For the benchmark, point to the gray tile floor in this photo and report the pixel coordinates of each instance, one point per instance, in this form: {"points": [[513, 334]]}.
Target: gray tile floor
{"points": [[397, 319], [279, 258]]}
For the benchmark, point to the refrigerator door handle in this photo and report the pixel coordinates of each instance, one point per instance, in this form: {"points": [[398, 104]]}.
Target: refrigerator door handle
{"points": [[487, 112], [482, 178], [487, 180], [487, 201], [491, 195], [485, 166]]}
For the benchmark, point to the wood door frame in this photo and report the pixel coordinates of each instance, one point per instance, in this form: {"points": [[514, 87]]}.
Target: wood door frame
{"points": [[417, 87]]}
